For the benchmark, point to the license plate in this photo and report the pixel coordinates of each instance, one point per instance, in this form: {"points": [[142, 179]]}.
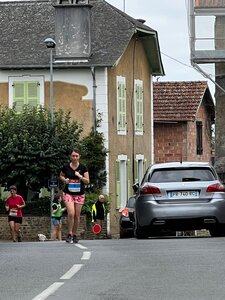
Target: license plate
{"points": [[183, 194]]}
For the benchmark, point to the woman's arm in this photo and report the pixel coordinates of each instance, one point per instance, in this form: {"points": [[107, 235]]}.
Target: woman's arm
{"points": [[63, 178]]}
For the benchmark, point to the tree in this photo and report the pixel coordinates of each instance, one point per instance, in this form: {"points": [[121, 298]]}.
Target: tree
{"points": [[32, 150], [94, 156]]}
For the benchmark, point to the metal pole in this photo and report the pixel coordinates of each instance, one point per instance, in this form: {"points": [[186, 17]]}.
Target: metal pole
{"points": [[94, 99], [51, 90], [52, 124]]}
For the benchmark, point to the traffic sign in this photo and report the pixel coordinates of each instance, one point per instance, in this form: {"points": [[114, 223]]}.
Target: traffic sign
{"points": [[53, 183]]}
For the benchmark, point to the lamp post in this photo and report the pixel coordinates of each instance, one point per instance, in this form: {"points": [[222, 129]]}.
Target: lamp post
{"points": [[50, 43]]}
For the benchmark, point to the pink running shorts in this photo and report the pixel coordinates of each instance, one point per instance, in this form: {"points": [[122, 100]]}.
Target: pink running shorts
{"points": [[79, 199]]}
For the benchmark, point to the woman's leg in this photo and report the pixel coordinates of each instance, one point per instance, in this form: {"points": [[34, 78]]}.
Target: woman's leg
{"points": [[77, 208], [70, 216]]}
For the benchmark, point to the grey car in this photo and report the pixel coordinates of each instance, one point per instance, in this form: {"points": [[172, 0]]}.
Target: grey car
{"points": [[179, 196]]}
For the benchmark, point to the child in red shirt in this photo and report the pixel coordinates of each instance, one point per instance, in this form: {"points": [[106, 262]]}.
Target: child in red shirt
{"points": [[14, 205]]}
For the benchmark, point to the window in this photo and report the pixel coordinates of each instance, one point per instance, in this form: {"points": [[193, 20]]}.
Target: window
{"points": [[26, 90], [139, 168], [121, 105], [199, 137], [121, 181], [138, 102]]}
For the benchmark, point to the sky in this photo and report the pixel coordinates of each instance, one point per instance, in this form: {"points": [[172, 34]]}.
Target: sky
{"points": [[170, 19]]}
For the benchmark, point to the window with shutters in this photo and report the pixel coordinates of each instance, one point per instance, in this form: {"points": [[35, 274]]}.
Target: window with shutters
{"points": [[121, 181], [138, 103], [26, 90], [121, 105], [199, 137]]}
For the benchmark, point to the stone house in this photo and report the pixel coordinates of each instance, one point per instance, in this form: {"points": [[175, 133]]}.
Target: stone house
{"points": [[183, 116], [103, 63]]}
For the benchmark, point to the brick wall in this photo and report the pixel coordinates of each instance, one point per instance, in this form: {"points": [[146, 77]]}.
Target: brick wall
{"points": [[32, 225], [176, 141], [170, 142]]}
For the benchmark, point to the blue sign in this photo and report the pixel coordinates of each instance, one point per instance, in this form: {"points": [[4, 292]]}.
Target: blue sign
{"points": [[53, 183]]}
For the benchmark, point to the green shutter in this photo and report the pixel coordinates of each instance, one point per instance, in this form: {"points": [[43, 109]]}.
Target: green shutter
{"points": [[121, 105], [139, 106], [19, 92], [26, 93], [118, 191], [136, 170], [33, 93], [129, 187]]}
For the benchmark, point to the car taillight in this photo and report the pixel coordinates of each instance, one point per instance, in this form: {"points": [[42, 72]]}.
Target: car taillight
{"points": [[125, 212], [217, 187], [149, 189]]}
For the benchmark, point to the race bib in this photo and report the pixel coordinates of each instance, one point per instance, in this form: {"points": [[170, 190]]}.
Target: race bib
{"points": [[74, 186], [13, 212]]}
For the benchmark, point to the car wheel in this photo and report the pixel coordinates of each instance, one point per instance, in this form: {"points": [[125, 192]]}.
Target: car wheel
{"points": [[140, 232], [217, 231]]}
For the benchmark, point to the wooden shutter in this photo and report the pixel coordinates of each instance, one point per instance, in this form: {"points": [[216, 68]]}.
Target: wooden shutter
{"points": [[129, 187], [19, 92], [139, 106], [121, 104], [33, 93], [118, 190]]}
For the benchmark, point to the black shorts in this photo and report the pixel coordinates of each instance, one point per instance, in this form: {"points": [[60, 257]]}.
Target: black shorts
{"points": [[15, 219]]}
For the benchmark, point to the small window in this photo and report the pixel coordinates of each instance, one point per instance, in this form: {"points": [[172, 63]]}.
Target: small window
{"points": [[199, 137], [26, 90], [121, 105]]}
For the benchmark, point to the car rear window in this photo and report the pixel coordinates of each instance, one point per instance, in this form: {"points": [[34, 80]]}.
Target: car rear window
{"points": [[179, 175]]}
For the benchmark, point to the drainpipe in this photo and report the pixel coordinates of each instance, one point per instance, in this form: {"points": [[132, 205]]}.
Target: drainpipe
{"points": [[94, 98]]}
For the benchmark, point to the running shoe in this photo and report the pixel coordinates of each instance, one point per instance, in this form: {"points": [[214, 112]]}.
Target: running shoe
{"points": [[75, 239], [69, 239]]}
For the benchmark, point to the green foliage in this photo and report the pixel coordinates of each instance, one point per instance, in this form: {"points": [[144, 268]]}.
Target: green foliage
{"points": [[94, 155], [33, 149], [39, 207]]}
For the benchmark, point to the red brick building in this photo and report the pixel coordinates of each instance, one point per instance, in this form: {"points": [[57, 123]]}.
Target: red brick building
{"points": [[183, 116]]}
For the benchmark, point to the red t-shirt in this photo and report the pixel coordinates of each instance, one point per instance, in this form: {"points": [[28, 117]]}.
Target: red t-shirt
{"points": [[12, 203]]}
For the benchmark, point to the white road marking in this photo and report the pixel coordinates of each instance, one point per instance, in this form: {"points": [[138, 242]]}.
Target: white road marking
{"points": [[72, 271], [49, 291], [86, 255], [80, 246]]}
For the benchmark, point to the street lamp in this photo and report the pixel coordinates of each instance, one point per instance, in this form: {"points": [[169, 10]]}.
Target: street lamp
{"points": [[50, 43]]}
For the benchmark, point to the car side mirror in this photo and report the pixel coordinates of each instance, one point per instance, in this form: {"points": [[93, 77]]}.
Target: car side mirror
{"points": [[135, 187]]}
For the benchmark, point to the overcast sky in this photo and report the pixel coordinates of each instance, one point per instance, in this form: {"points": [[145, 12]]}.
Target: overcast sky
{"points": [[170, 19]]}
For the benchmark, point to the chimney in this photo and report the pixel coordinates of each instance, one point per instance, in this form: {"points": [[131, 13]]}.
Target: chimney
{"points": [[72, 30]]}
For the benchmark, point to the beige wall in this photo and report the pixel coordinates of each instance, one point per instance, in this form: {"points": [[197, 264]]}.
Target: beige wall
{"points": [[67, 96], [133, 65]]}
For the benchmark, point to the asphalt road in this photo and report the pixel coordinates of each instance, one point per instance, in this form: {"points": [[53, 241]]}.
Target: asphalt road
{"points": [[165, 268]]}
